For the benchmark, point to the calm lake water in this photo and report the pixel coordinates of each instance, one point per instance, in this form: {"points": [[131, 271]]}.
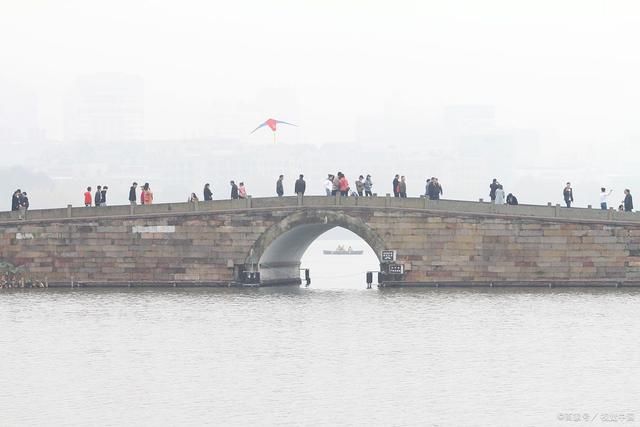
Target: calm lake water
{"points": [[317, 356]]}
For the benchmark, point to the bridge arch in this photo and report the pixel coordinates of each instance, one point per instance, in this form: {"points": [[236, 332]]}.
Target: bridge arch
{"points": [[277, 252]]}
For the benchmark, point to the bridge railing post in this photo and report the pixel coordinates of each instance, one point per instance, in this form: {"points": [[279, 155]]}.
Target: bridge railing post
{"points": [[132, 209], [337, 199], [68, 211], [387, 200], [557, 210], [300, 196], [248, 202]]}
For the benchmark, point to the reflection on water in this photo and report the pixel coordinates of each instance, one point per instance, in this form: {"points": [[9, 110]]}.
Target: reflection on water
{"points": [[307, 356]]}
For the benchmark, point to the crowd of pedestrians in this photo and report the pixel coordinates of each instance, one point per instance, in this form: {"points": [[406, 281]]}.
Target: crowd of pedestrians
{"points": [[333, 185]]}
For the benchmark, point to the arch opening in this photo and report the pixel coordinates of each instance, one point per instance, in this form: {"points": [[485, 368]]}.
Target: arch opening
{"points": [[339, 259], [277, 254]]}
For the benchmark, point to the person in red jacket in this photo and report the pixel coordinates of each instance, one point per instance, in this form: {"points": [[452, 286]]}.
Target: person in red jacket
{"points": [[344, 184], [87, 197]]}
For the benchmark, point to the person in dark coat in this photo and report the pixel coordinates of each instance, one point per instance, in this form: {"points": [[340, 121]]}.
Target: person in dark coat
{"points": [[24, 205], [300, 186], [492, 189], [15, 200], [628, 201], [567, 194], [234, 190], [207, 193], [279, 186], [511, 199], [396, 186], [103, 194], [97, 199], [132, 193]]}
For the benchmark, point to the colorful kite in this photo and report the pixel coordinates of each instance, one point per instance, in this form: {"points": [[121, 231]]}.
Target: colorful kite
{"points": [[272, 123]]}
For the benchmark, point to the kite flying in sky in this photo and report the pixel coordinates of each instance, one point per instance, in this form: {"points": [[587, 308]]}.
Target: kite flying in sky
{"points": [[272, 123]]}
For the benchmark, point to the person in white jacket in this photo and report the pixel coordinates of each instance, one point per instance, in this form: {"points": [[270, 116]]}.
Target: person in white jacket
{"points": [[499, 195]]}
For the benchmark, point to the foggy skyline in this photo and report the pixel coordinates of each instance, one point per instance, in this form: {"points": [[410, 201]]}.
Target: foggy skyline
{"points": [[560, 78]]}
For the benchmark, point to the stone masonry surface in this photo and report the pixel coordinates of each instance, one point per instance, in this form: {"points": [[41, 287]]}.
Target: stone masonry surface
{"points": [[438, 242]]}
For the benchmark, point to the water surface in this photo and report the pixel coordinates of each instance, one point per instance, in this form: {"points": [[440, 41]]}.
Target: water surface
{"points": [[316, 357]]}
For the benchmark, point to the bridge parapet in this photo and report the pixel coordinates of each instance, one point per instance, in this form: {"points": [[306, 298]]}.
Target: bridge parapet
{"points": [[328, 202]]}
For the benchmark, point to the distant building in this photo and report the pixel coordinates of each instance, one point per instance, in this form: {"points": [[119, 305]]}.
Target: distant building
{"points": [[18, 115], [470, 119], [105, 107]]}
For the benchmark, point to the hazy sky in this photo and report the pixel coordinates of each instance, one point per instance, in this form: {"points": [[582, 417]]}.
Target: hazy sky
{"points": [[568, 70]]}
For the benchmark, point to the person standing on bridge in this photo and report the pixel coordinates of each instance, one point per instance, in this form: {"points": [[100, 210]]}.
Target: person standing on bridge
{"points": [[343, 184], [15, 200], [335, 184], [234, 190], [147, 194], [492, 189], [242, 191], [207, 193], [396, 186], [132, 194], [328, 185], [499, 195], [567, 194], [367, 186], [603, 198], [402, 187], [280, 186], [360, 186], [628, 201], [97, 199], [300, 186], [103, 196], [24, 205], [87, 197]]}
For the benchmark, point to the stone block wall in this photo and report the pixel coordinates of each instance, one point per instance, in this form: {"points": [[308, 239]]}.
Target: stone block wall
{"points": [[210, 245]]}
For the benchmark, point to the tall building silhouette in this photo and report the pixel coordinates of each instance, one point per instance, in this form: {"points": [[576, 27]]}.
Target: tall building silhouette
{"points": [[105, 107]]}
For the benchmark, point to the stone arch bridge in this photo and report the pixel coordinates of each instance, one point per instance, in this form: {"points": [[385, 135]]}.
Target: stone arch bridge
{"points": [[437, 243]]}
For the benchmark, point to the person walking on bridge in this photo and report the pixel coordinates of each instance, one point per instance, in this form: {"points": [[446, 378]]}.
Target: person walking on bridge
{"points": [[132, 194], [207, 193], [628, 201], [279, 186], [396, 186], [234, 190], [300, 186], [402, 187], [567, 194]]}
